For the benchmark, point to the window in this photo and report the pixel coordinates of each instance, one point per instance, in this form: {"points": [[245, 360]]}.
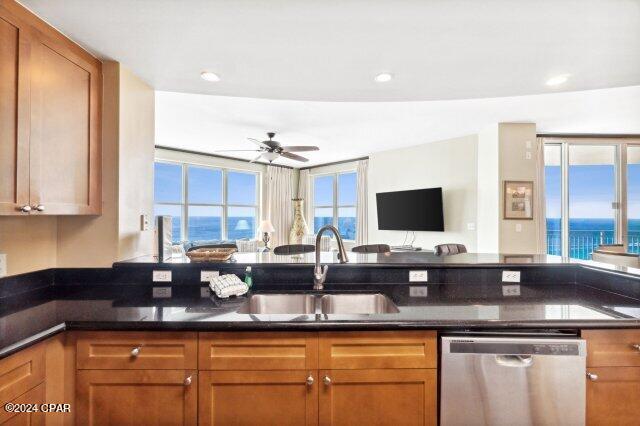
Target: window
{"points": [[334, 203], [591, 195], [217, 203]]}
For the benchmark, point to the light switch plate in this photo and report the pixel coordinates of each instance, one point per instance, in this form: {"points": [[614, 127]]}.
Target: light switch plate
{"points": [[418, 276], [518, 227], [207, 276], [527, 155], [144, 222], [161, 276], [418, 291], [511, 290], [161, 292], [511, 276], [3, 265]]}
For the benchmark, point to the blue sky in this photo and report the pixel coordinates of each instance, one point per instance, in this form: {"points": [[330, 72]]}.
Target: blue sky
{"points": [[591, 191]]}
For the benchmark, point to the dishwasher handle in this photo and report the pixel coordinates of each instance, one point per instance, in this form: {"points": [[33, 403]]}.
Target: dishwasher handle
{"points": [[514, 360]]}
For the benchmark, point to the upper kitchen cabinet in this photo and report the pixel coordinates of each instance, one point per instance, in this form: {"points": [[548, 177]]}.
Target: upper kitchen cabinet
{"points": [[50, 124]]}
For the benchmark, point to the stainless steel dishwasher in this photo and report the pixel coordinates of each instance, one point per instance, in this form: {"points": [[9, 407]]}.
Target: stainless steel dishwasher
{"points": [[512, 381]]}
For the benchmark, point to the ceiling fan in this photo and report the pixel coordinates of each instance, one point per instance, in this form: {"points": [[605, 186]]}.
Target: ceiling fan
{"points": [[271, 150]]}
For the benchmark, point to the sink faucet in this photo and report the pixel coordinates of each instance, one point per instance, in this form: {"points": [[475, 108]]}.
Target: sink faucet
{"points": [[320, 272]]}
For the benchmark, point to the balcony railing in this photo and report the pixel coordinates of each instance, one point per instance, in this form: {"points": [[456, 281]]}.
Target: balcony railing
{"points": [[583, 243]]}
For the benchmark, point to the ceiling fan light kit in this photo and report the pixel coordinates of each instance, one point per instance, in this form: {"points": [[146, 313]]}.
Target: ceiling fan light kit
{"points": [[271, 150]]}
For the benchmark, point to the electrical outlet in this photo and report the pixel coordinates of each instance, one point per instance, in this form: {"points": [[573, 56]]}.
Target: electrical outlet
{"points": [[161, 276], [207, 276], [161, 292], [418, 291], [205, 292], [471, 226], [511, 290], [3, 265], [418, 276], [511, 276]]}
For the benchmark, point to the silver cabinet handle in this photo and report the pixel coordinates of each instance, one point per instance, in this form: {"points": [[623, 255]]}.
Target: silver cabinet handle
{"points": [[187, 381], [327, 380], [636, 346], [593, 377], [38, 207], [135, 351], [25, 209], [310, 380]]}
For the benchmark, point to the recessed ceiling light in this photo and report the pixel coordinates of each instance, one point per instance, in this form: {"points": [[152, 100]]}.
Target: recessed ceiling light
{"points": [[558, 79], [209, 76], [383, 77]]}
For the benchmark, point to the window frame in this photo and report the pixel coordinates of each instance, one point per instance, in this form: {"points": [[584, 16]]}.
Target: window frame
{"points": [[621, 225], [336, 196], [184, 204]]}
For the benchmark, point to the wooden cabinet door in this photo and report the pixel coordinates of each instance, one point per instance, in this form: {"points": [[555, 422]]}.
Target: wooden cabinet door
{"points": [[378, 397], [612, 399], [14, 103], [35, 396], [64, 144], [258, 398], [136, 397]]}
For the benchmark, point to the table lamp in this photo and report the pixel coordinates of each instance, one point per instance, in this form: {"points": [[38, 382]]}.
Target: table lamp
{"points": [[266, 228]]}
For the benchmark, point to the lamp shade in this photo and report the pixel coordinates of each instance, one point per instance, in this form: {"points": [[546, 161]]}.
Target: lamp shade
{"points": [[266, 226]]}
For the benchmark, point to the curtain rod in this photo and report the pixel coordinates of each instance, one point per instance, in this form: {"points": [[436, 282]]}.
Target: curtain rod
{"points": [[225, 157], [587, 135], [334, 163]]}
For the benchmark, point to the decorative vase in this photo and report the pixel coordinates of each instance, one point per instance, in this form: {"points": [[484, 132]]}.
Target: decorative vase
{"points": [[299, 228]]}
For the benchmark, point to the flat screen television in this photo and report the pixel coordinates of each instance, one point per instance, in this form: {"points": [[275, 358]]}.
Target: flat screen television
{"points": [[414, 210]]}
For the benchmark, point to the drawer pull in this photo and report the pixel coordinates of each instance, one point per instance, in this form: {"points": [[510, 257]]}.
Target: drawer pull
{"points": [[187, 381], [593, 377], [135, 351], [327, 380], [310, 380]]}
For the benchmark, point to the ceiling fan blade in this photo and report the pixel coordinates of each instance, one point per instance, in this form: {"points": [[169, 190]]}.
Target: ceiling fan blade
{"points": [[259, 143], [256, 159], [297, 148], [294, 156], [237, 150]]}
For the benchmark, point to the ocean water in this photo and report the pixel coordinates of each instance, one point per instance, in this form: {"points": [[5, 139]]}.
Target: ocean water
{"points": [[586, 234], [209, 228]]}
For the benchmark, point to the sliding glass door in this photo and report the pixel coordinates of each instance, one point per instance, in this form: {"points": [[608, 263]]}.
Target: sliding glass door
{"points": [[633, 199], [592, 197], [592, 194]]}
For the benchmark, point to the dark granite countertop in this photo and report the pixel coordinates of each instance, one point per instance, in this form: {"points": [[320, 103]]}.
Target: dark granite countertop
{"points": [[32, 316]]}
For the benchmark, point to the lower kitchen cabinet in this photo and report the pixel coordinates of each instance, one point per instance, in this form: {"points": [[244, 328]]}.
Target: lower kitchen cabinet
{"points": [[612, 396], [33, 397], [258, 398], [136, 397], [378, 397]]}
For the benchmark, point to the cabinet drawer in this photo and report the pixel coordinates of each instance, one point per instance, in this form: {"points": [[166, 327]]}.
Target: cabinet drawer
{"points": [[21, 372], [379, 349], [124, 350], [612, 348], [34, 396], [258, 351]]}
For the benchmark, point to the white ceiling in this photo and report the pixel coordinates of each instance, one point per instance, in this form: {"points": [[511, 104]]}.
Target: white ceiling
{"points": [[345, 130], [330, 50]]}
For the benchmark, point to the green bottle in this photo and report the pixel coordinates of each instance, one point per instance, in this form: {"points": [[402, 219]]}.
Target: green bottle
{"points": [[248, 279]]}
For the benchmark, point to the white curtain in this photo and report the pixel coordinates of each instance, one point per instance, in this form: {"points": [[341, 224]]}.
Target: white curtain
{"points": [[362, 228], [539, 212], [303, 191], [279, 193]]}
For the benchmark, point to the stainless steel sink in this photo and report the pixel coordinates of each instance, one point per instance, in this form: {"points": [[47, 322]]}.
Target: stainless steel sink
{"points": [[357, 304], [345, 304], [279, 304]]}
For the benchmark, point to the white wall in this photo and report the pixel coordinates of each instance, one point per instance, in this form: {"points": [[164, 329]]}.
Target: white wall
{"points": [[450, 164]]}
